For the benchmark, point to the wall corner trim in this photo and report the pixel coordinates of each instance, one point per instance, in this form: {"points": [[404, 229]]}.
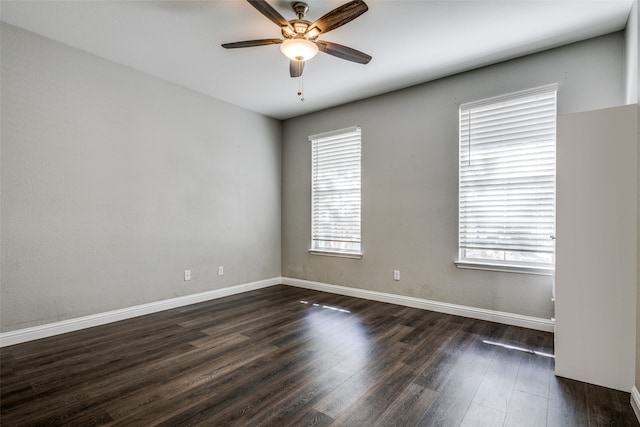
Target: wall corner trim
{"points": [[536, 323], [635, 402], [51, 329]]}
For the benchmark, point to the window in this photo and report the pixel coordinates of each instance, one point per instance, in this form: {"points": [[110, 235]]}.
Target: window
{"points": [[335, 193], [507, 182]]}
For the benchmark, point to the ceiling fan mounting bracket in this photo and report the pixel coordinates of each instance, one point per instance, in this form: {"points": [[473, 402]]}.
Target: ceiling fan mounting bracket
{"points": [[300, 8]]}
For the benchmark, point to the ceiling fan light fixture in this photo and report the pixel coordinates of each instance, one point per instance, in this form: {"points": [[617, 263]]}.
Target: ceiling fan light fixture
{"points": [[299, 49]]}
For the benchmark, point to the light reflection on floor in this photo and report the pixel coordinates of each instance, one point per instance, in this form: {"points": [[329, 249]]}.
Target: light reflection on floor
{"points": [[513, 347], [327, 307], [336, 331]]}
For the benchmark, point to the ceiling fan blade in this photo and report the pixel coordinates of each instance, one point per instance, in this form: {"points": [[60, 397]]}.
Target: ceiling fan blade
{"points": [[296, 68], [340, 16], [343, 52], [251, 43], [268, 11]]}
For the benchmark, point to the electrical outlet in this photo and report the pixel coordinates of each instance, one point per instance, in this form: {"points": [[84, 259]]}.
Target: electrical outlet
{"points": [[187, 275], [220, 271], [396, 274]]}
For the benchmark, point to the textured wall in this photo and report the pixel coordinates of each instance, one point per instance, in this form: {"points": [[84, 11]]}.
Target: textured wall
{"points": [[410, 179], [114, 183]]}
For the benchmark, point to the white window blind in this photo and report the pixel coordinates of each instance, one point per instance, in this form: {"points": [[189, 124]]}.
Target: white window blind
{"points": [[336, 184], [507, 179]]}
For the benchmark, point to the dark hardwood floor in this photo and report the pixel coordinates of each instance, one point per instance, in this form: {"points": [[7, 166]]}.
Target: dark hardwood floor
{"points": [[284, 356]]}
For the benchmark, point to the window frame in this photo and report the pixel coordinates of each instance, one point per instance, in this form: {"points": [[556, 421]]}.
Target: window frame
{"points": [[501, 265], [335, 252]]}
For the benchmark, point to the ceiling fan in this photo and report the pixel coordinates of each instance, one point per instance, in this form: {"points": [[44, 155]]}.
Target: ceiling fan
{"points": [[300, 42]]}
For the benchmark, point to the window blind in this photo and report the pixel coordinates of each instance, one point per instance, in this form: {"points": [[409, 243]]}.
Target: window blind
{"points": [[507, 178], [336, 191]]}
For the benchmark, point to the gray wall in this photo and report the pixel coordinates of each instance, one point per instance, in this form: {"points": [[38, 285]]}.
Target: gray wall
{"points": [[410, 179], [114, 183]]}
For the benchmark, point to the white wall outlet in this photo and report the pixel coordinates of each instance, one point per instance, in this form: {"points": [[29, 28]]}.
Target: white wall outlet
{"points": [[187, 275], [396, 274], [220, 271]]}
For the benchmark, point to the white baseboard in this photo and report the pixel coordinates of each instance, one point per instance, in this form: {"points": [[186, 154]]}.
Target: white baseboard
{"points": [[635, 402], [441, 307], [51, 329]]}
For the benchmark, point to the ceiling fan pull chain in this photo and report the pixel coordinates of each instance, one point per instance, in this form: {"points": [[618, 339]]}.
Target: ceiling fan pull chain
{"points": [[301, 88]]}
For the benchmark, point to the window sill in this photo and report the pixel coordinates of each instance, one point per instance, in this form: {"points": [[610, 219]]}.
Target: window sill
{"points": [[506, 268], [335, 254]]}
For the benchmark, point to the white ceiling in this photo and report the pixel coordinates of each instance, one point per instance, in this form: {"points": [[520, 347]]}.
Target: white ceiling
{"points": [[411, 42]]}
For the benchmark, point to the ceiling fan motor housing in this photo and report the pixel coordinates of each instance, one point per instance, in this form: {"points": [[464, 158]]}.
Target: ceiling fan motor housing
{"points": [[300, 27]]}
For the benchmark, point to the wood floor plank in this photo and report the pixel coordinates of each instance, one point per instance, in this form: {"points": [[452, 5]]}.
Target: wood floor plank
{"points": [[567, 403], [460, 385], [344, 395], [289, 356], [298, 400], [526, 410], [607, 407], [482, 416], [408, 407], [311, 418], [498, 383], [440, 366], [368, 409], [534, 375]]}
